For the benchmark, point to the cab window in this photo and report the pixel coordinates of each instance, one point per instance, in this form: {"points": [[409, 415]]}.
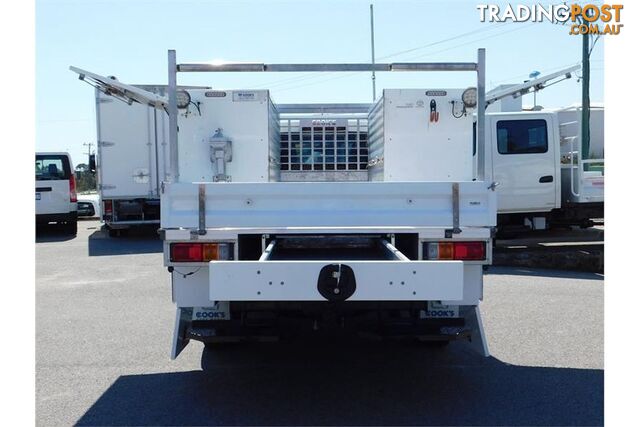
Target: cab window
{"points": [[522, 136]]}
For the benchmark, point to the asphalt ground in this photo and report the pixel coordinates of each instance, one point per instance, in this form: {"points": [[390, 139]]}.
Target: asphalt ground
{"points": [[104, 320], [564, 249]]}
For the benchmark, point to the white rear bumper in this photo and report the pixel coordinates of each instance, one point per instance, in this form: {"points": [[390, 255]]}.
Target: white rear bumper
{"points": [[299, 280]]}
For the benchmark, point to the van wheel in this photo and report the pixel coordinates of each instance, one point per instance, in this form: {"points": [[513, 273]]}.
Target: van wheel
{"points": [[71, 227]]}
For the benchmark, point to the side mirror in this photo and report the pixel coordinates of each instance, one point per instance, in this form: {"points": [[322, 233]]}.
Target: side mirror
{"points": [[92, 162]]}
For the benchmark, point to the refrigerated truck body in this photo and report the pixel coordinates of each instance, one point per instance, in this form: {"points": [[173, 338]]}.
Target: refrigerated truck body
{"points": [[132, 160]]}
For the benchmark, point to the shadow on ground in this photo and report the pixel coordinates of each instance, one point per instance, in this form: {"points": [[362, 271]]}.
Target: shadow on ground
{"points": [[379, 384], [138, 241], [52, 233], [575, 249], [541, 272]]}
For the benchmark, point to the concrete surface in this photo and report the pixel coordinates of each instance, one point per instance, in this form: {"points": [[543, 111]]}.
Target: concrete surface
{"points": [[104, 321]]}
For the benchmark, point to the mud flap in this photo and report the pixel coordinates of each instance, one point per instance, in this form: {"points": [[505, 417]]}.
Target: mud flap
{"points": [[473, 321], [180, 340]]}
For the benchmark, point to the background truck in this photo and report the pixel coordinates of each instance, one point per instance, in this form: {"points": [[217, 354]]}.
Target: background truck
{"points": [[545, 178], [399, 253], [132, 160]]}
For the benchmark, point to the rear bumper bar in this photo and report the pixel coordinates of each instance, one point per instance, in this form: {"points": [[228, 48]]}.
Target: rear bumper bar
{"points": [[301, 281], [61, 217]]}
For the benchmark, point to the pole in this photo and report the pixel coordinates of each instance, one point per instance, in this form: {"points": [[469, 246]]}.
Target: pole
{"points": [[373, 56], [173, 116], [88, 145], [586, 102]]}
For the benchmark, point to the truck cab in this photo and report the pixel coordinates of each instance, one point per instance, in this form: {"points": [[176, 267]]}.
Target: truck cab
{"points": [[526, 153], [542, 176]]}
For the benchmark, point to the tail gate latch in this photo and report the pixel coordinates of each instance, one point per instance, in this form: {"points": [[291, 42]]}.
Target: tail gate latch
{"points": [[336, 282]]}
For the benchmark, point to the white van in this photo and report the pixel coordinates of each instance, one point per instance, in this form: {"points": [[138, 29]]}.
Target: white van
{"points": [[56, 198]]}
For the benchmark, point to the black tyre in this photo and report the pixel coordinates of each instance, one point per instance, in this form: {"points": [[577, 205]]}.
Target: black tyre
{"points": [[71, 227], [118, 232]]}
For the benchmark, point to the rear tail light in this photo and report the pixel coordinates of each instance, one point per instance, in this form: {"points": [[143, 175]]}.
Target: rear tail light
{"points": [[460, 251], [199, 252], [73, 196], [108, 207]]}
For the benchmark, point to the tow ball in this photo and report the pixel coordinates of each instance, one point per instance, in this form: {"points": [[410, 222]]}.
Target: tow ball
{"points": [[336, 282]]}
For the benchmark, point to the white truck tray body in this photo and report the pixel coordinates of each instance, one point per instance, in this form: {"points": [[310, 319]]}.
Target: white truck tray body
{"points": [[582, 174], [326, 204]]}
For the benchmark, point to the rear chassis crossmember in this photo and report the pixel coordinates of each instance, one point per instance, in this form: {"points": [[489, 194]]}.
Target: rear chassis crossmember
{"points": [[295, 321]]}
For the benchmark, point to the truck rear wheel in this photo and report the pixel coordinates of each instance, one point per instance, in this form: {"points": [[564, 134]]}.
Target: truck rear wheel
{"points": [[117, 232]]}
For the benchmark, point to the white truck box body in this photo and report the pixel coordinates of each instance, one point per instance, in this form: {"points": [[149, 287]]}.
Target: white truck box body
{"points": [[406, 145], [132, 147], [248, 118]]}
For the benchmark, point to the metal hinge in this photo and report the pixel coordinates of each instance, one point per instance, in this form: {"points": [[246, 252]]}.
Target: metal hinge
{"points": [[375, 161], [106, 144], [106, 187], [202, 198], [455, 196], [105, 100]]}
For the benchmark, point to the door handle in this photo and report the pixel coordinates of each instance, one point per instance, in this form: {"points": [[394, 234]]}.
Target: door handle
{"points": [[546, 178]]}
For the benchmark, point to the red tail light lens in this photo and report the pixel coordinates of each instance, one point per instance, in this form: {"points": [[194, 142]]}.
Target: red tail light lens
{"points": [[186, 252], [73, 196], [460, 251], [199, 252], [469, 250], [108, 207]]}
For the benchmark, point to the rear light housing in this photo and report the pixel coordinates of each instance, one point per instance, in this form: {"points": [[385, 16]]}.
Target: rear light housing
{"points": [[107, 207], [458, 251], [199, 252], [73, 195]]}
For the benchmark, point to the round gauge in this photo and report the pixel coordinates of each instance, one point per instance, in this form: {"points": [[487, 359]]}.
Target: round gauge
{"points": [[470, 97], [183, 98]]}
